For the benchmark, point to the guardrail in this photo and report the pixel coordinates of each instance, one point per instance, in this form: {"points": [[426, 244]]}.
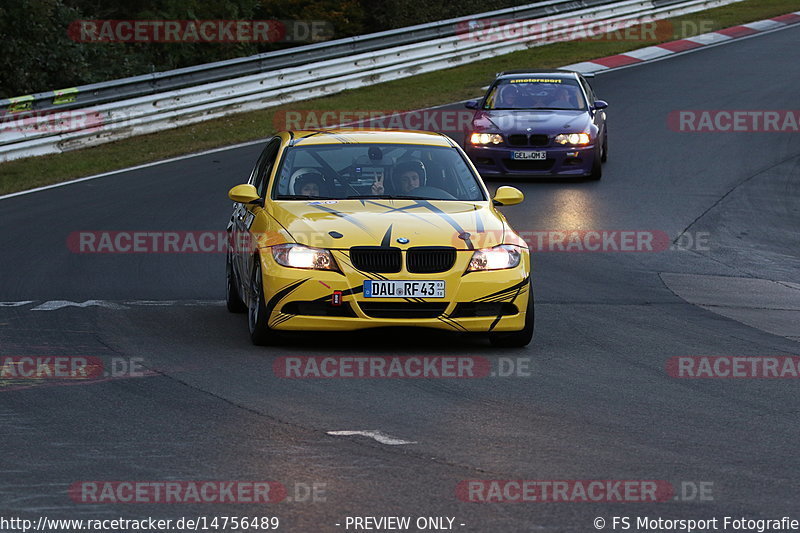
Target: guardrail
{"points": [[308, 72], [114, 90]]}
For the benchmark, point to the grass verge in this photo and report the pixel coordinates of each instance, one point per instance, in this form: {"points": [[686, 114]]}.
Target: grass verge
{"points": [[424, 90]]}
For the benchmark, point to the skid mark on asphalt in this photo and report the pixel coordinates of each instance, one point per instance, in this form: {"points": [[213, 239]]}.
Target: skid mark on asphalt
{"points": [[771, 306], [379, 436], [53, 305]]}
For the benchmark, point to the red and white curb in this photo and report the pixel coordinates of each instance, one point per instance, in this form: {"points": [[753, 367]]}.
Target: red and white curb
{"points": [[649, 53]]}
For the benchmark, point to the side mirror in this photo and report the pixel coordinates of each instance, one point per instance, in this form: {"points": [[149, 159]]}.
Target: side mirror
{"points": [[471, 104], [244, 194], [600, 104], [506, 195]]}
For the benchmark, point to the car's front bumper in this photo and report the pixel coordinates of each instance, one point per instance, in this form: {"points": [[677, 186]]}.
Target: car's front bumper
{"points": [[300, 299], [496, 161]]}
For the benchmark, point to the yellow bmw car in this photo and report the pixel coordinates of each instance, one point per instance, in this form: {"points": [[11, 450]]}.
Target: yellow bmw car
{"points": [[343, 230]]}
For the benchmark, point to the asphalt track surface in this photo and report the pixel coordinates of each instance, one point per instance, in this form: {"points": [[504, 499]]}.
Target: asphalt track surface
{"points": [[598, 403]]}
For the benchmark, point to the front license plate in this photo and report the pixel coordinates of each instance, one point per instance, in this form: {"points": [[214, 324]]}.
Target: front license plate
{"points": [[403, 289], [529, 155]]}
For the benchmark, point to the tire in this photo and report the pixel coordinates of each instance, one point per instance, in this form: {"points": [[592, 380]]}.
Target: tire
{"points": [[232, 298], [597, 167], [517, 339], [257, 316], [604, 157]]}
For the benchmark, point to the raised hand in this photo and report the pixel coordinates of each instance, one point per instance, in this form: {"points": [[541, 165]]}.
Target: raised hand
{"points": [[377, 186]]}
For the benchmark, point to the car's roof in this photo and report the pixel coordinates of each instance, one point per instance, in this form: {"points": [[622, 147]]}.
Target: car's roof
{"points": [[553, 73], [359, 136]]}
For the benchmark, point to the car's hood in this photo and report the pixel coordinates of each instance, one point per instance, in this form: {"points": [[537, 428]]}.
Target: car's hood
{"points": [[383, 222], [541, 121]]}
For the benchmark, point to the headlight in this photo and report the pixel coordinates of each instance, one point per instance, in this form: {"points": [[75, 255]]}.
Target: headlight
{"points": [[299, 256], [485, 138], [497, 258], [572, 138]]}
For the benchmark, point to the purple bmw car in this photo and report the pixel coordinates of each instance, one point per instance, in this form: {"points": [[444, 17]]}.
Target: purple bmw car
{"points": [[538, 123]]}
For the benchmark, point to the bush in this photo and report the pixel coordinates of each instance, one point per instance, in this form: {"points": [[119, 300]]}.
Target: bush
{"points": [[37, 55]]}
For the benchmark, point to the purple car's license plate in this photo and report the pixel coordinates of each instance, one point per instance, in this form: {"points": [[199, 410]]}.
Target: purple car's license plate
{"points": [[529, 155]]}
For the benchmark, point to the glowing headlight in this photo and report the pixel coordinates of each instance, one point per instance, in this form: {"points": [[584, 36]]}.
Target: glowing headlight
{"points": [[572, 138], [497, 258], [299, 256], [486, 138]]}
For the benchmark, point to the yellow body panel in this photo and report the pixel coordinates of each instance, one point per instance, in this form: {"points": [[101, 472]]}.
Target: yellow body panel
{"points": [[342, 136], [318, 285], [289, 292]]}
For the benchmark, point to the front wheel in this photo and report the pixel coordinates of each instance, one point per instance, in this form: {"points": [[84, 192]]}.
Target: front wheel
{"points": [[257, 314], [597, 166], [521, 338], [232, 299], [604, 157]]}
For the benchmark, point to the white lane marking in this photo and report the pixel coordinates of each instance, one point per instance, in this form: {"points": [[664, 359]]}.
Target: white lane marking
{"points": [[52, 305], [585, 66], [709, 38], [650, 52], [153, 303], [379, 436], [176, 303], [763, 25]]}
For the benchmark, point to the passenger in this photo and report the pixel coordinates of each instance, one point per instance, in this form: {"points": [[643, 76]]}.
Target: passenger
{"points": [[562, 99], [407, 176]]}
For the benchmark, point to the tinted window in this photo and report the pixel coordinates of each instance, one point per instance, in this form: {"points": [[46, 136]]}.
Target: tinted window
{"points": [[535, 93], [589, 91], [264, 167], [350, 171]]}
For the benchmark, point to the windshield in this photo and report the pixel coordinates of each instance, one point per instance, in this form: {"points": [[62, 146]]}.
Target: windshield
{"points": [[536, 93], [337, 171]]}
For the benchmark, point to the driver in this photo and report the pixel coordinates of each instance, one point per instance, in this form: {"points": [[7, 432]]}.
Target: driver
{"points": [[509, 97], [407, 176], [307, 182]]}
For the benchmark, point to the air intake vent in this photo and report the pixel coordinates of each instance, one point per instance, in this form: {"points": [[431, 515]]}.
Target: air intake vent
{"points": [[539, 140], [430, 259], [403, 309], [376, 259], [517, 140]]}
